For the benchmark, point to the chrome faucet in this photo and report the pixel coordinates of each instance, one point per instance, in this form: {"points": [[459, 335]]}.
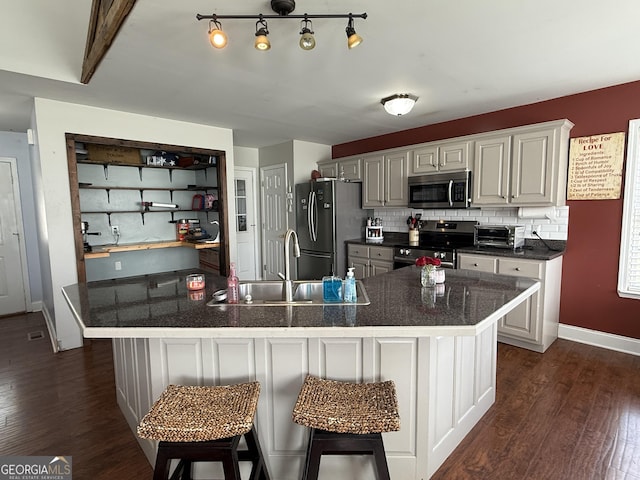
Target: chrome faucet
{"points": [[288, 284]]}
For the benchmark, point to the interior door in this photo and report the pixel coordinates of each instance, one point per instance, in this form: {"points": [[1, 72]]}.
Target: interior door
{"points": [[274, 219], [247, 265], [12, 289]]}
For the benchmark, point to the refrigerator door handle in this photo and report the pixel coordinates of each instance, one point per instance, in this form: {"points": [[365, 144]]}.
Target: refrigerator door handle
{"points": [[309, 205], [314, 217]]}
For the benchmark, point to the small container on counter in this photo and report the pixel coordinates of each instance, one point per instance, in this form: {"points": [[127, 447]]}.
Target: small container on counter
{"points": [[195, 281]]}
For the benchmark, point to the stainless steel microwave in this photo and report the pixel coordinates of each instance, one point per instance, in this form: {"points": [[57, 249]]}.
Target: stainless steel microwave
{"points": [[440, 190]]}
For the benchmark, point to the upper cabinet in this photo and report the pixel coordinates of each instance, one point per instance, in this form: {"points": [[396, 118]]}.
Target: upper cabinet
{"points": [[384, 182], [524, 166], [440, 157], [349, 169], [521, 166]]}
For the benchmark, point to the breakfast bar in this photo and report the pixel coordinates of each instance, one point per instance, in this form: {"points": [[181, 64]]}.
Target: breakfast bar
{"points": [[438, 344]]}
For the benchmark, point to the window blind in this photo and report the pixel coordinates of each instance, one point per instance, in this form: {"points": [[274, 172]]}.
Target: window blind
{"points": [[629, 268]]}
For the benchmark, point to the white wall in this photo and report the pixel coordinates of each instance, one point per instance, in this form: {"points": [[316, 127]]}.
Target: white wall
{"points": [[52, 119], [306, 155], [13, 144]]}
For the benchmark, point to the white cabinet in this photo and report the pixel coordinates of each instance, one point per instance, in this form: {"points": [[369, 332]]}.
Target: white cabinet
{"points": [[534, 323], [350, 169], [345, 169], [369, 260], [439, 157], [385, 180], [328, 169], [524, 166]]}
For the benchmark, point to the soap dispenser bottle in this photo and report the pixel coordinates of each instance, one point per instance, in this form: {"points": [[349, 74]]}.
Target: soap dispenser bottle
{"points": [[350, 287], [332, 288]]}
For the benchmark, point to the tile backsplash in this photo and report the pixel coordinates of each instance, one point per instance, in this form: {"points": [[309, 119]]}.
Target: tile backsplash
{"points": [[555, 228]]}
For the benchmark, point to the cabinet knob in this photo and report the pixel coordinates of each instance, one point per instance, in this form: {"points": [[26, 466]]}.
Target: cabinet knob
{"points": [[475, 264], [517, 269]]}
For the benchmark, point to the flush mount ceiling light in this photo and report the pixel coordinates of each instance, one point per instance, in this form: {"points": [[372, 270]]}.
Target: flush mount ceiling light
{"points": [[399, 103], [283, 9]]}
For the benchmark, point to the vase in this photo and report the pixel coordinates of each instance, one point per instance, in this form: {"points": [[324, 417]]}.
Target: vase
{"points": [[428, 276]]}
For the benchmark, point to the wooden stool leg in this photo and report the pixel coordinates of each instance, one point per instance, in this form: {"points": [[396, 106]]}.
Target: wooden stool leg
{"points": [[163, 463], [259, 469], [186, 470], [381, 459], [230, 466], [312, 462]]}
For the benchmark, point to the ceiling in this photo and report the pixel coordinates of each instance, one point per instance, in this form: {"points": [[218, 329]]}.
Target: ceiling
{"points": [[460, 58]]}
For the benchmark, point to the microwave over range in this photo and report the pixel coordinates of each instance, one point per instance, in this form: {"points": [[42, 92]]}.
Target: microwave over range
{"points": [[440, 190]]}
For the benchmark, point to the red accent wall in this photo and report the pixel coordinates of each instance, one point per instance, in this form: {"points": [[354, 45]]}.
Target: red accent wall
{"points": [[590, 267]]}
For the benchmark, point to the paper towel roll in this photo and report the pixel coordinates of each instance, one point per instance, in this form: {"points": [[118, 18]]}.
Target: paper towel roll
{"points": [[537, 212]]}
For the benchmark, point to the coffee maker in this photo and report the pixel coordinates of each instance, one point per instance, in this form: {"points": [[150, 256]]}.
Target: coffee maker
{"points": [[84, 228]]}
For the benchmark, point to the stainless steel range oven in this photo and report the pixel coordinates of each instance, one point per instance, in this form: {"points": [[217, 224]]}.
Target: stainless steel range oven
{"points": [[438, 239]]}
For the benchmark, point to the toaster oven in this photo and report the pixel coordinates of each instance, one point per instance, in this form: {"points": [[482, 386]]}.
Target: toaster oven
{"points": [[500, 236]]}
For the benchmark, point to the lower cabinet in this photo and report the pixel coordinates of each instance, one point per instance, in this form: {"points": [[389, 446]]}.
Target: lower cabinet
{"points": [[533, 324], [369, 260]]}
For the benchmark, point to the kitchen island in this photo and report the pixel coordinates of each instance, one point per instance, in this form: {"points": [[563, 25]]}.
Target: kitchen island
{"points": [[438, 344]]}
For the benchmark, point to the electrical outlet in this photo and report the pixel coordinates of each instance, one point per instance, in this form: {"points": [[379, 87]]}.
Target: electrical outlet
{"points": [[115, 230], [118, 265]]}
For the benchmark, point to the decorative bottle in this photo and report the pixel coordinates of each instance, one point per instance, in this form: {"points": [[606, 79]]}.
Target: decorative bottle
{"points": [[233, 295]]}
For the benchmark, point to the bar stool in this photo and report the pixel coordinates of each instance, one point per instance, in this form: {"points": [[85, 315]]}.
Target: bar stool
{"points": [[205, 424], [346, 419]]}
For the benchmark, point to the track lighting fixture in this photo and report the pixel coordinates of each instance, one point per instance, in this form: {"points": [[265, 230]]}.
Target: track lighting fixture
{"points": [[283, 9], [353, 39], [217, 37], [262, 41], [307, 42], [399, 103]]}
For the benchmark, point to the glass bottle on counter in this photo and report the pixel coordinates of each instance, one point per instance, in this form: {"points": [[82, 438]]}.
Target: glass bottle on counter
{"points": [[233, 295]]}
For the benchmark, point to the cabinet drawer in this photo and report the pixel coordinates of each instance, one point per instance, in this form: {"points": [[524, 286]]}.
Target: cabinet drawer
{"points": [[520, 268], [381, 253], [357, 251], [478, 263]]}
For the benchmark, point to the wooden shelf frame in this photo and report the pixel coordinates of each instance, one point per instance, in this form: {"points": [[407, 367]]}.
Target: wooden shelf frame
{"points": [[221, 181]]}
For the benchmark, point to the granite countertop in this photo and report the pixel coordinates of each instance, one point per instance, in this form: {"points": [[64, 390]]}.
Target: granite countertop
{"points": [[161, 306], [533, 249]]}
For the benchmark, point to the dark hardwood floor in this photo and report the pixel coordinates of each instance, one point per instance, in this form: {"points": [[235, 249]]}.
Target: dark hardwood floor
{"points": [[64, 404], [570, 414]]}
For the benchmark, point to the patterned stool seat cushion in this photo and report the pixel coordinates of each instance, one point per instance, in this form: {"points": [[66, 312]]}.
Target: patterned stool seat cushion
{"points": [[198, 414], [344, 407]]}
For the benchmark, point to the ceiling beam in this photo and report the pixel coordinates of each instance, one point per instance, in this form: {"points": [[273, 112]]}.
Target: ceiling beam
{"points": [[107, 16]]}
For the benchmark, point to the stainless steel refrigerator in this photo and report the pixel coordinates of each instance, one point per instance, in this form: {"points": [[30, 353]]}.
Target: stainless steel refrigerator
{"points": [[327, 213]]}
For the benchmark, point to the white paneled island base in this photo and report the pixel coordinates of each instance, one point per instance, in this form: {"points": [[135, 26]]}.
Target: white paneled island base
{"points": [[444, 385]]}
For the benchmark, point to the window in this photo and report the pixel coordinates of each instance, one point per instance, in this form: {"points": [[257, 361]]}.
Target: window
{"points": [[629, 269], [241, 206]]}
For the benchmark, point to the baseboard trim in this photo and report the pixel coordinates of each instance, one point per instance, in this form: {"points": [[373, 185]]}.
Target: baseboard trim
{"points": [[52, 329], [35, 306], [599, 339]]}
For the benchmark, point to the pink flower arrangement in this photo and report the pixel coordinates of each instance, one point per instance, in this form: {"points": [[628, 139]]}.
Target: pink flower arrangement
{"points": [[424, 261]]}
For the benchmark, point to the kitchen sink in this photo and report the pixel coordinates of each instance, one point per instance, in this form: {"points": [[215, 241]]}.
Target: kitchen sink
{"points": [[305, 293]]}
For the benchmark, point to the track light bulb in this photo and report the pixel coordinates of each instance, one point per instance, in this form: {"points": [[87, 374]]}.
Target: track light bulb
{"points": [[353, 39], [217, 37], [307, 42], [262, 41]]}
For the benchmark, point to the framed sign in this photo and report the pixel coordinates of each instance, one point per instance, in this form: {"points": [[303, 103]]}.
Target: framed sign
{"points": [[595, 167]]}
